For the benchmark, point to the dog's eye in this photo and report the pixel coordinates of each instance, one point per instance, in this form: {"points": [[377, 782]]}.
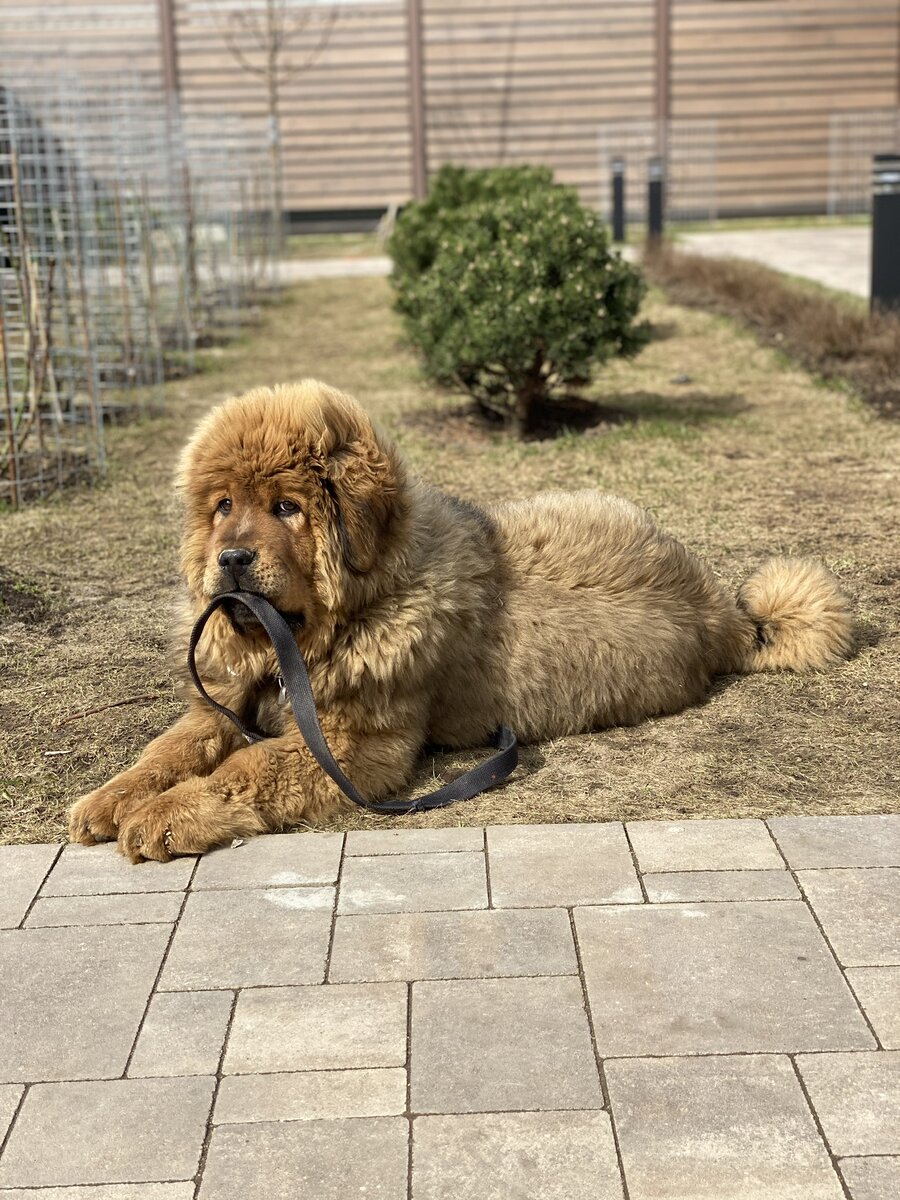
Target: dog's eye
{"points": [[224, 507], [286, 508]]}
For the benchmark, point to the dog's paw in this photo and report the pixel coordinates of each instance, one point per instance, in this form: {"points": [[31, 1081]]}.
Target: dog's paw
{"points": [[190, 818], [96, 817]]}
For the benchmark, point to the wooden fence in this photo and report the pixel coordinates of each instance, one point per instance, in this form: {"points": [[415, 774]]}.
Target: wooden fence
{"points": [[753, 87]]}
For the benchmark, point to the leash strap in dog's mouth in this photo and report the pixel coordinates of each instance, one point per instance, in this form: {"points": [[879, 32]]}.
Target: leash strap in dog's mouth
{"points": [[298, 690]]}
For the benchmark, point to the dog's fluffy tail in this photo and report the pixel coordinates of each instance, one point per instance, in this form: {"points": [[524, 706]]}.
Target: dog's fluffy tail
{"points": [[802, 616]]}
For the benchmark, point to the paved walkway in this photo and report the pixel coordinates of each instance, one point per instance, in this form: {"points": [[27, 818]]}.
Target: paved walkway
{"points": [[707, 1009], [836, 256], [293, 270]]}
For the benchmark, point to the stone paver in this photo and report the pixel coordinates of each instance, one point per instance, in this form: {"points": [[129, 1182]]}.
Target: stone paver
{"points": [[810, 842], [273, 860], [105, 1191], [413, 841], [413, 883], [878, 991], [115, 1131], [724, 1127], [22, 870], [455, 945], [397, 1000], [714, 978], [138, 908], [240, 939], [694, 886], [72, 999], [183, 1034], [860, 913], [857, 1098], [499, 1156], [10, 1095], [311, 1095], [316, 1029], [836, 256], [484, 1045], [99, 870], [535, 866], [324, 1160], [872, 1178], [703, 846]]}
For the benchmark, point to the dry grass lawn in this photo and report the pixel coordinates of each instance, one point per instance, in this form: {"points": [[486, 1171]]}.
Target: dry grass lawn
{"points": [[735, 452]]}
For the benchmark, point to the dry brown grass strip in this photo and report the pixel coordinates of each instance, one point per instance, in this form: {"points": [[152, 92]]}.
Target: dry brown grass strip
{"points": [[822, 332]]}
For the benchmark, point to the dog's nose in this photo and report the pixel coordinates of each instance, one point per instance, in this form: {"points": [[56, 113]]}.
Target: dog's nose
{"points": [[236, 561]]}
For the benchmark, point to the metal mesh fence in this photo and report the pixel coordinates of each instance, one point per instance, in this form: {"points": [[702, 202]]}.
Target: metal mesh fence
{"points": [[690, 154], [127, 239], [853, 139]]}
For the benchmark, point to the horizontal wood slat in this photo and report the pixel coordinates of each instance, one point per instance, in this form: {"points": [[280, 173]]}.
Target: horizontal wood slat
{"points": [[753, 85]]}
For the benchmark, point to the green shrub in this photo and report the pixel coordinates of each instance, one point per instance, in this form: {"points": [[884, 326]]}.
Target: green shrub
{"points": [[522, 300], [414, 241]]}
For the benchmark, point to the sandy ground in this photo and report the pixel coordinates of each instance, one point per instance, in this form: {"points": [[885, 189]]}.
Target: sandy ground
{"points": [[734, 451]]}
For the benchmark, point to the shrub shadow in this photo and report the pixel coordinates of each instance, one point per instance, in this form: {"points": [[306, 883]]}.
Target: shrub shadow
{"points": [[577, 414], [570, 414]]}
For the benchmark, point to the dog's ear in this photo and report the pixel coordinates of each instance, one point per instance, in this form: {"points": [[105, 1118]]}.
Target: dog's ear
{"points": [[362, 481]]}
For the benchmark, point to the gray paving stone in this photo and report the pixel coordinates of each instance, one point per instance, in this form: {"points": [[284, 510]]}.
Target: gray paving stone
{"points": [[714, 978], [878, 991], [241, 939], [809, 842], [694, 886], [145, 908], [72, 999], [324, 1028], [183, 1034], [273, 860], [311, 1095], [105, 1191], [857, 1099], [413, 841], [454, 945], [872, 1178], [728, 1128], [322, 1160], [485, 1045], [114, 1131], [859, 911], [99, 870], [709, 845], [532, 1155], [535, 866], [10, 1095], [22, 870], [413, 883]]}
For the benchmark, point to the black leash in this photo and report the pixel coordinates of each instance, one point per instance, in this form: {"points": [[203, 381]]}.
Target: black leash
{"points": [[298, 690]]}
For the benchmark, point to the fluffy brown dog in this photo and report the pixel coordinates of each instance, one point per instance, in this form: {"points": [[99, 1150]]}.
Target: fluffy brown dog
{"points": [[421, 618]]}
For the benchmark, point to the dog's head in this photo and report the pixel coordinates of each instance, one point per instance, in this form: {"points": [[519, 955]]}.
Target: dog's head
{"points": [[290, 493]]}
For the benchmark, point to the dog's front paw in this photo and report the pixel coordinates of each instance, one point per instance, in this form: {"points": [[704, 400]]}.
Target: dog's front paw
{"points": [[190, 818], [97, 816]]}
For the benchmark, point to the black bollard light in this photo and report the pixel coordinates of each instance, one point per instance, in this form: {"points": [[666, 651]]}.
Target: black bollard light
{"points": [[618, 199], [655, 198], [886, 232]]}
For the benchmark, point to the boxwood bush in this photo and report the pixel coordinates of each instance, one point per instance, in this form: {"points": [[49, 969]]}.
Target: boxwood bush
{"points": [[521, 301], [414, 241]]}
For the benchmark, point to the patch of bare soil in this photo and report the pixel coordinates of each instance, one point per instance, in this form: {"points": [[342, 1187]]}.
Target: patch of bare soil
{"points": [[736, 454]]}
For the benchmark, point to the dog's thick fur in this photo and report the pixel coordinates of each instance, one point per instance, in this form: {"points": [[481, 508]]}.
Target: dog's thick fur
{"points": [[422, 618]]}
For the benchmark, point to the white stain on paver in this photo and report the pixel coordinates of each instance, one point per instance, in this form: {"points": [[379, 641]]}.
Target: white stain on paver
{"points": [[305, 898]]}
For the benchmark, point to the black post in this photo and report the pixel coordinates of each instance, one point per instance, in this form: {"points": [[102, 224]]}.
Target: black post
{"points": [[886, 232], [618, 199], [655, 198]]}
